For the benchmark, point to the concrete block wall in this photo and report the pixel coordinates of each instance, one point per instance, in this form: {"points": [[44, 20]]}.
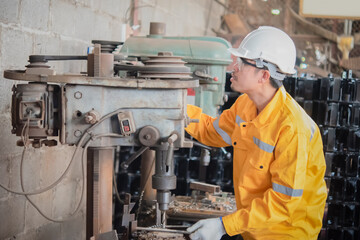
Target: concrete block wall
{"points": [[182, 18], [66, 27]]}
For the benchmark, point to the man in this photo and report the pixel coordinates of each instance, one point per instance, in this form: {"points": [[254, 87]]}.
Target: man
{"points": [[278, 164]]}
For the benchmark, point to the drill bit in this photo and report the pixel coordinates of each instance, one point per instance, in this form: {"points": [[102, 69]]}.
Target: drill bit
{"points": [[163, 220]]}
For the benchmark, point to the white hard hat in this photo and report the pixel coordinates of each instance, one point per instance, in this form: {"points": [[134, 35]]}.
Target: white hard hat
{"points": [[271, 45]]}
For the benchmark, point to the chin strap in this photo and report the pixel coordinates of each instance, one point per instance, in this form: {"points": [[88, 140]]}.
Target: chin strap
{"points": [[272, 69]]}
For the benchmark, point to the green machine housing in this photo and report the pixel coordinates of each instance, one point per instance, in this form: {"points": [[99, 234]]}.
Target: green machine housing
{"points": [[207, 58]]}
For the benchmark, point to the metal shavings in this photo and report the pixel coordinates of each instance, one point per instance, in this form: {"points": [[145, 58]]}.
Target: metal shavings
{"points": [[159, 236]]}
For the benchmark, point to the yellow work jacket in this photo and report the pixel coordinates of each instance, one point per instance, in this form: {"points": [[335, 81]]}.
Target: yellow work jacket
{"points": [[278, 167]]}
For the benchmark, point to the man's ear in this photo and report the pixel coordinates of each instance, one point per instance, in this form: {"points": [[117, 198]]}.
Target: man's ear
{"points": [[265, 77]]}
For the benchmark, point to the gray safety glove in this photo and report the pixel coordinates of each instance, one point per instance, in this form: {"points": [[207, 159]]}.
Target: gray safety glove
{"points": [[207, 229]]}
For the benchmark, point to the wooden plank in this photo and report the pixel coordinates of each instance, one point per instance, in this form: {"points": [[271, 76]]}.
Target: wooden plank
{"points": [[351, 63], [314, 28], [235, 24], [210, 188]]}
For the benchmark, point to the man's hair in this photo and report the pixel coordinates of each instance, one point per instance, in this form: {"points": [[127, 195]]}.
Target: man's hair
{"points": [[274, 82]]}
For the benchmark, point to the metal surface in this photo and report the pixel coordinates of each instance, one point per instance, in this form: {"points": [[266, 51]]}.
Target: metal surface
{"points": [[106, 65], [164, 179], [149, 68], [82, 106], [196, 143], [38, 63], [107, 46], [77, 103], [199, 207], [46, 58], [100, 81], [161, 230], [157, 28], [161, 108], [207, 56], [100, 163], [156, 233], [156, 107], [165, 66], [159, 236], [92, 116], [127, 123], [163, 219], [126, 164], [149, 136], [199, 50], [39, 68], [210, 188], [127, 216], [40, 104], [94, 63]]}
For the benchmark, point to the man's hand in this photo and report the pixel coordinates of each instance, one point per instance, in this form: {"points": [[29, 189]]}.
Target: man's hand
{"points": [[207, 229]]}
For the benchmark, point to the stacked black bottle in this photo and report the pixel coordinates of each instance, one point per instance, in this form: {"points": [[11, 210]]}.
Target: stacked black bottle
{"points": [[334, 104]]}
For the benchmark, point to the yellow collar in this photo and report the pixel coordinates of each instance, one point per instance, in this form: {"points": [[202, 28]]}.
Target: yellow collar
{"points": [[269, 112]]}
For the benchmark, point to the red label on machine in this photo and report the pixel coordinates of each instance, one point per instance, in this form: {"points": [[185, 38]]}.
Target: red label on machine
{"points": [[190, 92]]}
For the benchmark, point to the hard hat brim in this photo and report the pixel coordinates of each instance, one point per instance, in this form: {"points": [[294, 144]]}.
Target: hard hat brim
{"points": [[293, 71], [234, 52]]}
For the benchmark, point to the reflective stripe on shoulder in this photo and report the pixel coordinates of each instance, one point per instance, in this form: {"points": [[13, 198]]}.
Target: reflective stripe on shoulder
{"points": [[287, 191], [221, 132], [239, 120], [263, 145], [312, 130]]}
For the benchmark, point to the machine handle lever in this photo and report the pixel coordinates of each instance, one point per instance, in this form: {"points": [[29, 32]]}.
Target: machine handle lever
{"points": [[170, 152], [126, 164], [173, 137]]}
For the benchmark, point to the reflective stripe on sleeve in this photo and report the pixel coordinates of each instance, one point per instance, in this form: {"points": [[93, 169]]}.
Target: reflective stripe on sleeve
{"points": [[287, 191], [263, 145], [239, 120], [312, 131], [221, 132]]}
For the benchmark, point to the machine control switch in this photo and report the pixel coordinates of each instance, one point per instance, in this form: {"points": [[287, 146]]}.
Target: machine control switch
{"points": [[127, 123]]}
